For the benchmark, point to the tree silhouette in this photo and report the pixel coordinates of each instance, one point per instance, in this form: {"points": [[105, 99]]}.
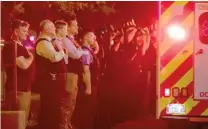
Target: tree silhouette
{"points": [[71, 7], [34, 12]]}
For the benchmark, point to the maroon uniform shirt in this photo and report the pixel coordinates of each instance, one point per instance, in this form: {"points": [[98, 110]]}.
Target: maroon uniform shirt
{"points": [[24, 76]]}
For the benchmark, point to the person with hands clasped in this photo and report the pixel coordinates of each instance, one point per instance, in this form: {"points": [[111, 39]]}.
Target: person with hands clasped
{"points": [[50, 75], [74, 67]]}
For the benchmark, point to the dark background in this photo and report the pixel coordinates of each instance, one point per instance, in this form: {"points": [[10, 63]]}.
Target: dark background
{"points": [[144, 13]]}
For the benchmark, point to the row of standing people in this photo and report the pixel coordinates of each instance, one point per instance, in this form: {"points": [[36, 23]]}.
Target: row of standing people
{"points": [[128, 85], [57, 67]]}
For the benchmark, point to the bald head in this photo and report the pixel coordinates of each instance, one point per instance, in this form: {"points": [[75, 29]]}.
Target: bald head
{"points": [[47, 27], [43, 24]]}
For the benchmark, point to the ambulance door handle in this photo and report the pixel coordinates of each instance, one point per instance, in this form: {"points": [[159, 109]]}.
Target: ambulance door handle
{"points": [[200, 51]]}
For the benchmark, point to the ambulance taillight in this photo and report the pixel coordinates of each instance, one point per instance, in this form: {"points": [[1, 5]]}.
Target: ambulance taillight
{"points": [[167, 92]]}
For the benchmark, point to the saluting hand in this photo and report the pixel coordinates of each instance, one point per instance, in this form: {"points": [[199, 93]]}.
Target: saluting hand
{"points": [[145, 31]]}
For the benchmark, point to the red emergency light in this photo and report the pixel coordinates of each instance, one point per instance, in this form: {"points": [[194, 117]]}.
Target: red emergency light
{"points": [[176, 92]]}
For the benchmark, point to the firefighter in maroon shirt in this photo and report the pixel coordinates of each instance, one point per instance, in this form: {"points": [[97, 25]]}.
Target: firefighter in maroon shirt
{"points": [[19, 68]]}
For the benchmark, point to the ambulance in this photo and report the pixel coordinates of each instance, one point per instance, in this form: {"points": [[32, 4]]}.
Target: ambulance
{"points": [[182, 86]]}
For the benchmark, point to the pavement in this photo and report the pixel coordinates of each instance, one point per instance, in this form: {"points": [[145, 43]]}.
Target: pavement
{"points": [[145, 122]]}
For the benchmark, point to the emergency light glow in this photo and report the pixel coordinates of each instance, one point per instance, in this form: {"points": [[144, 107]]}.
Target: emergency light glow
{"points": [[176, 32], [167, 92], [32, 38]]}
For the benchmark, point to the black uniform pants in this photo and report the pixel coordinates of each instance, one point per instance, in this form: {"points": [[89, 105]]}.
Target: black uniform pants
{"points": [[86, 109], [51, 88]]}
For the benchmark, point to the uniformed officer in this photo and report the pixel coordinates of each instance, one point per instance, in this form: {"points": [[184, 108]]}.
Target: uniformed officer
{"points": [[86, 118]]}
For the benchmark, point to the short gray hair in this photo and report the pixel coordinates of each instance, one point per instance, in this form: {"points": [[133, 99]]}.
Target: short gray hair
{"points": [[43, 23]]}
